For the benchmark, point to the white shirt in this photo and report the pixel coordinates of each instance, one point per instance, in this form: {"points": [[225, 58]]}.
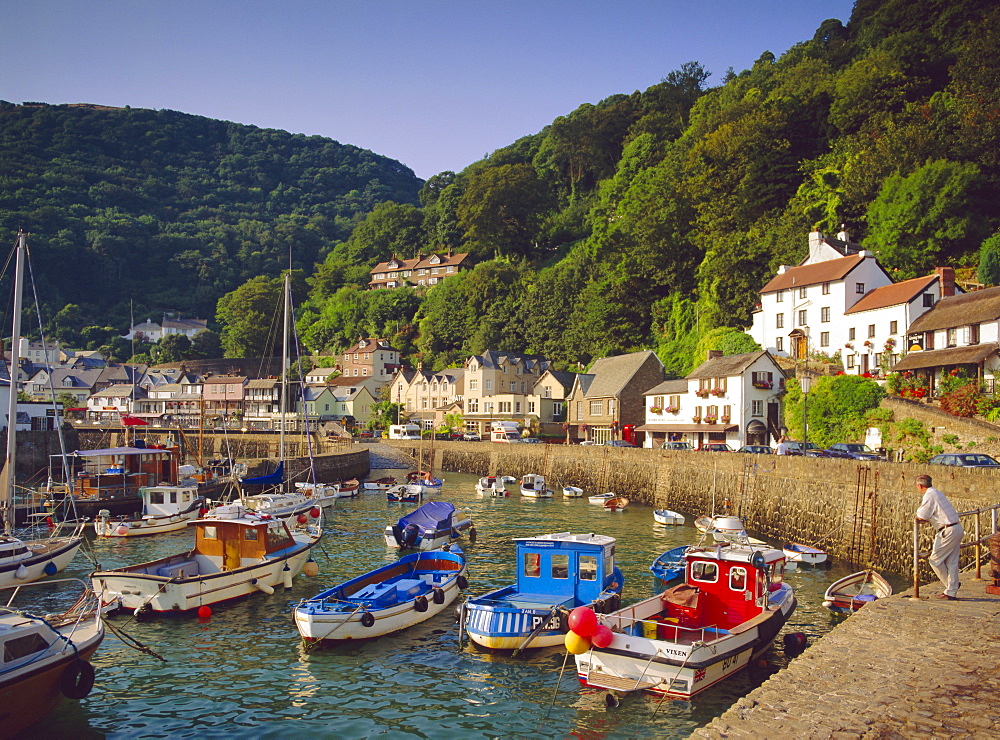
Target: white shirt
{"points": [[781, 449], [936, 509]]}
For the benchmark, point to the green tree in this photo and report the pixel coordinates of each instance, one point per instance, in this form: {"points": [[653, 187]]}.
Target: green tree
{"points": [[989, 261], [502, 209], [173, 348], [205, 345], [838, 408]]}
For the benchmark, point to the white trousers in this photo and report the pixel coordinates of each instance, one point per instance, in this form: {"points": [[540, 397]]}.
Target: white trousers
{"points": [[944, 557]]}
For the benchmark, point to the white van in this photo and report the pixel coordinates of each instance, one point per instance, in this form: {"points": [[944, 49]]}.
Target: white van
{"points": [[504, 431], [404, 431]]}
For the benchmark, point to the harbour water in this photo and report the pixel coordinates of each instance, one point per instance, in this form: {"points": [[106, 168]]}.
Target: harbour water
{"points": [[244, 672]]}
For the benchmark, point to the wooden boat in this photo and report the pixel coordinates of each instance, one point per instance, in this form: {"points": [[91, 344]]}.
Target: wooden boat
{"points": [[726, 613], [854, 591], [491, 485], [666, 516], [164, 509], [45, 657], [533, 486], [380, 484], [555, 574], [572, 492], [388, 599], [598, 499], [798, 553], [616, 504], [406, 493], [236, 553], [670, 565], [348, 488], [430, 527]]}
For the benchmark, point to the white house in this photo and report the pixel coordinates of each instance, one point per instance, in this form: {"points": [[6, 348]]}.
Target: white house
{"points": [[732, 398], [107, 405]]}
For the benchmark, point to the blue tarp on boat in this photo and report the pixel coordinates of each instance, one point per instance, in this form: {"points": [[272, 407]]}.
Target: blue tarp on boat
{"points": [[432, 515], [271, 479]]}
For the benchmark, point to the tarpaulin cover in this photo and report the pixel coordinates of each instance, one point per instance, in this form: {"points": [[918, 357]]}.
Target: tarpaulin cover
{"points": [[119, 451], [432, 515], [272, 479]]}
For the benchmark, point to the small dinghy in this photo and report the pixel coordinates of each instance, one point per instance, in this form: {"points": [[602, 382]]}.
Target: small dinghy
{"points": [[666, 516], [854, 591], [406, 493], [348, 488], [380, 484], [433, 525], [670, 565], [425, 479], [616, 504], [385, 600], [797, 553], [598, 499], [572, 492]]}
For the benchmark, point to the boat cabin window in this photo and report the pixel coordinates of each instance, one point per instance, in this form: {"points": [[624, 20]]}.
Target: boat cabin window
{"points": [[19, 647], [609, 560], [560, 566], [588, 567], [702, 570], [277, 537], [738, 579], [532, 564], [156, 497], [173, 497], [210, 533], [250, 533], [777, 571]]}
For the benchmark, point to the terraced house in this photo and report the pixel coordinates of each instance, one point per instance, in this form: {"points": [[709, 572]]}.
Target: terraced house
{"points": [[499, 386]]}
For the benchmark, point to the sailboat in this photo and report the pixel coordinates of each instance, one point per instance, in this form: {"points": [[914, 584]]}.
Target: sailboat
{"points": [[22, 561], [282, 503]]}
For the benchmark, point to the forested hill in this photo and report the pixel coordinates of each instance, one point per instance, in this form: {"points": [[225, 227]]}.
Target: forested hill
{"points": [[652, 219], [173, 210]]}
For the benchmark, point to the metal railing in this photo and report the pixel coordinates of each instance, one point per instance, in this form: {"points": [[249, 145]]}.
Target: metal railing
{"points": [[977, 541]]}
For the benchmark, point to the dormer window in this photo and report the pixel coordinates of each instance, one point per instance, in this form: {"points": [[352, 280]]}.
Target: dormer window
{"points": [[435, 260]]}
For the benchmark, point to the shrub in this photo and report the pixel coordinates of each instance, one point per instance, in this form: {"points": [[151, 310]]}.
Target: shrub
{"points": [[950, 439], [962, 401]]}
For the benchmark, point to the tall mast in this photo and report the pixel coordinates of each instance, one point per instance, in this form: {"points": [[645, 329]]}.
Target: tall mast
{"points": [[15, 342], [285, 362]]}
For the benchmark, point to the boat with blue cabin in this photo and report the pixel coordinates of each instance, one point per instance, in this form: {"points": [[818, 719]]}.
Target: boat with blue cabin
{"points": [[433, 525], [385, 600], [555, 574]]}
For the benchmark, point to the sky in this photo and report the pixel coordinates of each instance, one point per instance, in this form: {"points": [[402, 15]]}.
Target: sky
{"points": [[435, 84]]}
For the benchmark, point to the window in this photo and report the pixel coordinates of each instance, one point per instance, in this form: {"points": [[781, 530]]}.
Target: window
{"points": [[727, 411], [779, 296], [850, 361], [473, 384], [802, 317], [737, 579], [531, 407], [859, 288], [824, 339], [756, 408], [893, 327], [250, 533], [779, 321], [826, 288], [532, 564], [488, 385], [928, 300], [824, 314], [878, 359], [597, 408], [779, 344], [675, 401], [871, 331], [473, 405], [560, 565], [209, 533], [546, 392], [16, 648], [928, 340], [802, 292], [517, 407], [579, 410], [588, 567], [850, 334], [557, 409], [704, 571], [972, 334], [952, 337]]}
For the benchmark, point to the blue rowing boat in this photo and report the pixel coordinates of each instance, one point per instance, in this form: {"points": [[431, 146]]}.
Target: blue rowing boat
{"points": [[670, 565]]}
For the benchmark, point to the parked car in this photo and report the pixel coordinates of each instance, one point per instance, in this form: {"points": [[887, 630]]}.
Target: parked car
{"points": [[756, 449], [365, 434], [965, 460], [588, 442], [676, 446], [618, 443], [811, 450], [853, 451], [714, 447], [531, 440], [471, 437]]}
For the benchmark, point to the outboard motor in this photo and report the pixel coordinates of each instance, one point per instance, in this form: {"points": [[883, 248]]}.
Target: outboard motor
{"points": [[410, 534]]}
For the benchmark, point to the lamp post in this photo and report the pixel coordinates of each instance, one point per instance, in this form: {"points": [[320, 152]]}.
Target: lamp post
{"points": [[805, 382]]}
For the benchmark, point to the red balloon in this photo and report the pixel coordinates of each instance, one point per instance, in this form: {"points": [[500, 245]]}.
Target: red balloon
{"points": [[602, 636], [583, 621]]}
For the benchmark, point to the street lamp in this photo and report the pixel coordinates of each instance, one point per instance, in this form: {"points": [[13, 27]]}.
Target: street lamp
{"points": [[805, 382]]}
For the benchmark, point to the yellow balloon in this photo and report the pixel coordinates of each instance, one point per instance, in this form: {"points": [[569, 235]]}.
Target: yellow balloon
{"points": [[576, 644]]}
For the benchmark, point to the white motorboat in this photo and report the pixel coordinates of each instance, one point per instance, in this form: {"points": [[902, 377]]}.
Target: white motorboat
{"points": [[237, 552], [491, 485], [666, 516], [322, 494], [164, 509], [726, 528], [533, 486], [572, 492], [725, 614]]}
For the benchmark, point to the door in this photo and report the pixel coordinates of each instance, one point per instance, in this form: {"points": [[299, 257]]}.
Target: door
{"points": [[231, 547]]}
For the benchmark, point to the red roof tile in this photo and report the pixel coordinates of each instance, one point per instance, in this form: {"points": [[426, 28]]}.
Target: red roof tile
{"points": [[814, 274], [892, 295]]}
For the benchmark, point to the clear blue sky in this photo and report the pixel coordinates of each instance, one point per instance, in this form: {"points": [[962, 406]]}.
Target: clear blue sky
{"points": [[435, 84]]}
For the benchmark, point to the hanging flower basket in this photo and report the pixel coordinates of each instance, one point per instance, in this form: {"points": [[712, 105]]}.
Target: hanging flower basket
{"points": [[762, 384], [701, 393], [710, 419], [672, 409], [718, 392], [696, 419], [849, 345], [724, 419], [868, 343]]}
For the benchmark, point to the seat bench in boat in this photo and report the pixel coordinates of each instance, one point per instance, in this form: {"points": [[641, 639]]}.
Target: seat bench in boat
{"points": [[538, 601], [183, 569], [387, 594]]}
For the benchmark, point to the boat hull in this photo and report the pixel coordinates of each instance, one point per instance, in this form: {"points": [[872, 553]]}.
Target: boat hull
{"points": [[143, 527], [665, 516], [534, 493], [572, 492], [804, 554], [57, 552], [852, 592]]}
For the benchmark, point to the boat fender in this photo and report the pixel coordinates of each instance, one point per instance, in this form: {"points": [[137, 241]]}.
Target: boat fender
{"points": [[50, 569], [795, 642], [462, 581], [613, 602], [77, 680], [397, 534], [286, 576], [758, 562], [260, 585], [599, 606], [438, 595], [367, 619], [21, 573], [142, 611], [472, 534], [563, 619], [611, 700], [420, 603]]}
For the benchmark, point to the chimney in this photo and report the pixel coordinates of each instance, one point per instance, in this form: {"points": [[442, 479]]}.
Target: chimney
{"points": [[714, 354], [947, 275]]}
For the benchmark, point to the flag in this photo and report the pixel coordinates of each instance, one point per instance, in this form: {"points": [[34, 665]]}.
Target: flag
{"points": [[133, 421]]}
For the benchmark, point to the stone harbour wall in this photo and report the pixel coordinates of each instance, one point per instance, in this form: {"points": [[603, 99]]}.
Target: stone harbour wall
{"points": [[859, 512]]}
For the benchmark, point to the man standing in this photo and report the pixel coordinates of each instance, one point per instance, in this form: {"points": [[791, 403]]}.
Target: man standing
{"points": [[782, 448], [937, 510]]}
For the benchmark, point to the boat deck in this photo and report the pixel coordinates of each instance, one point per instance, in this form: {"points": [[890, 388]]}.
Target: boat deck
{"points": [[601, 680]]}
